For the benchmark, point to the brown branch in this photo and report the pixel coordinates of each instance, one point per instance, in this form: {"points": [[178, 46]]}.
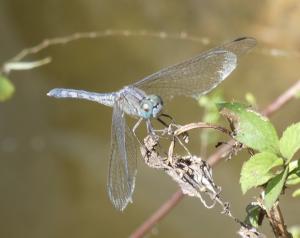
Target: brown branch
{"points": [[277, 223], [282, 99], [168, 205], [158, 215]]}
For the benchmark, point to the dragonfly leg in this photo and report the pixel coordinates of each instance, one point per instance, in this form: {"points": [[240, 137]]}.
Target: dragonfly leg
{"points": [[134, 129], [184, 135], [163, 122], [136, 125], [168, 116], [171, 131], [150, 129]]}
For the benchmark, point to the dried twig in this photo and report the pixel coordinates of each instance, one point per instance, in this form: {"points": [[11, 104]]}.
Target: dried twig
{"points": [[46, 43], [105, 33], [123, 32], [191, 173], [16, 62]]}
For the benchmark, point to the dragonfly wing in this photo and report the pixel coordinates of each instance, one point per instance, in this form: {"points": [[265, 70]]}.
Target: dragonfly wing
{"points": [[198, 75], [123, 161]]}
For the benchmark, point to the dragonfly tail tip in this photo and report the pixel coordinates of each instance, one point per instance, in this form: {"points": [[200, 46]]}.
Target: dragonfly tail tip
{"points": [[52, 93]]}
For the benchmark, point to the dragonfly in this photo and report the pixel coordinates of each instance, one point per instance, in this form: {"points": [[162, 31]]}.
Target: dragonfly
{"points": [[144, 100]]}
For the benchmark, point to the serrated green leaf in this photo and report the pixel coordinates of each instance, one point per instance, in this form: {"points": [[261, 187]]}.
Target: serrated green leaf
{"points": [[290, 141], [256, 171], [296, 193], [251, 128], [7, 89], [274, 188], [253, 212]]}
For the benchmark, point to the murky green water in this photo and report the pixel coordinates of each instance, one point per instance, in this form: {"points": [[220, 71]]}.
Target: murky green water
{"points": [[54, 154]]}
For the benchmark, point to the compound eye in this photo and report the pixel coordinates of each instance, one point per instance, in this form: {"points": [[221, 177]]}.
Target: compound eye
{"points": [[146, 107]]}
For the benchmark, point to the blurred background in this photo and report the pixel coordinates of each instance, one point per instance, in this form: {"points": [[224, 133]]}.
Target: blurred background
{"points": [[54, 153]]}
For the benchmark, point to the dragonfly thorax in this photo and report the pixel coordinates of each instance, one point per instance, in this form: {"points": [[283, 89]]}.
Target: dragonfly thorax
{"points": [[151, 106]]}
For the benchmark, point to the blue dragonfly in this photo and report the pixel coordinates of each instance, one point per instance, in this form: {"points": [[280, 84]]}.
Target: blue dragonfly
{"points": [[144, 100]]}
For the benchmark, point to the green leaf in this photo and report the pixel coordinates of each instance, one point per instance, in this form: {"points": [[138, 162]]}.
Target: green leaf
{"points": [[253, 213], [296, 193], [295, 231], [251, 128], [256, 171], [294, 174], [6, 88], [294, 165], [274, 188], [234, 106], [293, 179], [290, 141]]}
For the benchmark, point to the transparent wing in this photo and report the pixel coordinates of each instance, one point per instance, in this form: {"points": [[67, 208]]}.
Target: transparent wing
{"points": [[122, 165], [197, 75]]}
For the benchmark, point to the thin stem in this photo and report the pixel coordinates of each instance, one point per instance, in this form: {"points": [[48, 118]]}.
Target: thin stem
{"points": [[109, 32], [46, 43], [198, 125], [142, 33], [161, 212], [158, 215], [282, 99]]}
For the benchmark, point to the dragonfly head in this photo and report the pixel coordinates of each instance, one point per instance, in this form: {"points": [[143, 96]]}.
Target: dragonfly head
{"points": [[151, 106]]}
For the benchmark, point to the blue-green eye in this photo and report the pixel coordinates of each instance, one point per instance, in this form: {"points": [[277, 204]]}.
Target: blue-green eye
{"points": [[157, 105], [151, 106], [146, 108]]}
